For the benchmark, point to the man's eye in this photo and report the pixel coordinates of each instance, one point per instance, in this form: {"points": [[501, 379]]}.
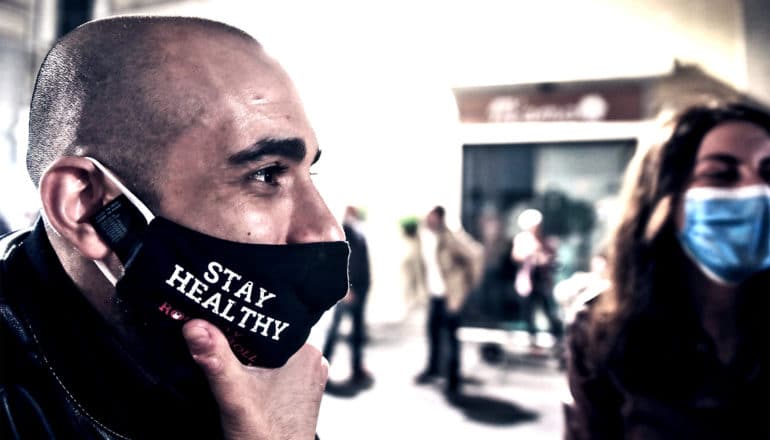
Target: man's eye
{"points": [[269, 174]]}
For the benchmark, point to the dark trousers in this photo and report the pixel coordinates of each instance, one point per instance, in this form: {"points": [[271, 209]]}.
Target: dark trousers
{"points": [[442, 333], [356, 311], [539, 298]]}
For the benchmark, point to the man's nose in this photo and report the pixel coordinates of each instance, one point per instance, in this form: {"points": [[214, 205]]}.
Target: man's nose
{"points": [[311, 220]]}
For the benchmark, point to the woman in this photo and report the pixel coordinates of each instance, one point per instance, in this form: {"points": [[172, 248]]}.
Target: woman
{"points": [[678, 347]]}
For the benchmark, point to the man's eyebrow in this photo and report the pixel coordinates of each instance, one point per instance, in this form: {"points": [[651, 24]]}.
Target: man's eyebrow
{"points": [[720, 157], [290, 148]]}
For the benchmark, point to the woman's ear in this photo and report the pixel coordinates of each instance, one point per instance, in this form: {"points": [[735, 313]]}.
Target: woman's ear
{"points": [[72, 190]]}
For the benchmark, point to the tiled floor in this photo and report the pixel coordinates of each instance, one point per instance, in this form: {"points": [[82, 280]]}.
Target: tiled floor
{"points": [[519, 401]]}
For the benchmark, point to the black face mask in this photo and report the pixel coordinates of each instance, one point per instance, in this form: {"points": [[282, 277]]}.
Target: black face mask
{"points": [[265, 298]]}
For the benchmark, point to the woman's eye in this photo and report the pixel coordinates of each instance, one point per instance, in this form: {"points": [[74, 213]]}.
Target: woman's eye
{"points": [[268, 175], [764, 173], [722, 176]]}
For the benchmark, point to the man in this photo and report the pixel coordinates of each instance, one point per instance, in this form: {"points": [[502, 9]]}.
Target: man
{"points": [[192, 119], [452, 263], [354, 303]]}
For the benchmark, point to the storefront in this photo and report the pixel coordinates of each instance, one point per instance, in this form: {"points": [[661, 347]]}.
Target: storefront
{"points": [[560, 148]]}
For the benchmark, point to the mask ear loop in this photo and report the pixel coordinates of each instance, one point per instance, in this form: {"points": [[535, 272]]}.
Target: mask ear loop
{"points": [[146, 213], [143, 209], [106, 272]]}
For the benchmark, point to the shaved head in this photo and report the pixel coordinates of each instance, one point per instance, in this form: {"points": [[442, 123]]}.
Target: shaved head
{"points": [[122, 90]]}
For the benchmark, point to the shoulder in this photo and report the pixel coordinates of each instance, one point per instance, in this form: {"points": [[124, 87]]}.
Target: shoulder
{"points": [[9, 246], [12, 273], [588, 339], [579, 341], [21, 415], [11, 241]]}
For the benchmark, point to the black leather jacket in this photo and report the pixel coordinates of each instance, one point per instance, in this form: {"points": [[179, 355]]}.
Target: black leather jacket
{"points": [[65, 374]]}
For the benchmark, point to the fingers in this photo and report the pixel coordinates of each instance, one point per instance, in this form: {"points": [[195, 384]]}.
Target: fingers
{"points": [[309, 359], [302, 384], [210, 350], [253, 401]]}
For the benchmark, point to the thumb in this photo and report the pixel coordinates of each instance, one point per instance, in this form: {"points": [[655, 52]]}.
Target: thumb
{"points": [[210, 350]]}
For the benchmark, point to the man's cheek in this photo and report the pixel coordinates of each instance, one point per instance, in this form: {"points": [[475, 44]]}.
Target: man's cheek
{"points": [[264, 223]]}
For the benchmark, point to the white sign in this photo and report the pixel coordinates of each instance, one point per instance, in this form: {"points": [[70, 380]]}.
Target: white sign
{"points": [[590, 107]]}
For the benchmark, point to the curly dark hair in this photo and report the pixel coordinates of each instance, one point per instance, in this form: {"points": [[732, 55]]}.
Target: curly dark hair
{"points": [[649, 307]]}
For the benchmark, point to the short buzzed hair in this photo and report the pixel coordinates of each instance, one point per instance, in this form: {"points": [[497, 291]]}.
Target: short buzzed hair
{"points": [[105, 91]]}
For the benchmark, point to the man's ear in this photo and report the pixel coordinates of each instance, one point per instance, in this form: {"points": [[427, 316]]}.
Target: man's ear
{"points": [[72, 190]]}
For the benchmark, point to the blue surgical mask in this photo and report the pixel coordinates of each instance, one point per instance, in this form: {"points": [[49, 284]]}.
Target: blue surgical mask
{"points": [[726, 232]]}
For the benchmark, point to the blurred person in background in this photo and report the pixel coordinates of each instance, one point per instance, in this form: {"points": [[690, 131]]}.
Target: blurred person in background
{"points": [[536, 260], [494, 301], [354, 303], [452, 270], [678, 345], [162, 142], [413, 266]]}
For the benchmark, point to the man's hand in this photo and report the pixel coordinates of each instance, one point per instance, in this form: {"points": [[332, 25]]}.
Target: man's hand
{"points": [[260, 403]]}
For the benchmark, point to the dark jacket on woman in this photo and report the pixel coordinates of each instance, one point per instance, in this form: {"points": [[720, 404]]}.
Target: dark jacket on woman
{"points": [[663, 384]]}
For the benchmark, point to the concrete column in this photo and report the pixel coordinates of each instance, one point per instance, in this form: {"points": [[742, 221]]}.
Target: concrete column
{"points": [[756, 16]]}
